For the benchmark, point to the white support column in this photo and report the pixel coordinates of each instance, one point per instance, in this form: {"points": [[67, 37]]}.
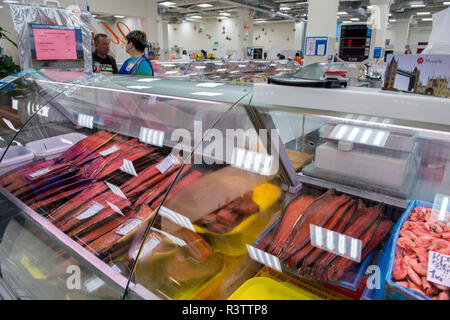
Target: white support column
{"points": [[322, 19], [299, 36], [164, 40], [151, 27], [379, 18], [401, 34], [246, 35]]}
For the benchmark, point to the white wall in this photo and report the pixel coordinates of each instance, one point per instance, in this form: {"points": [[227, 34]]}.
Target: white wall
{"points": [[415, 36], [187, 38]]}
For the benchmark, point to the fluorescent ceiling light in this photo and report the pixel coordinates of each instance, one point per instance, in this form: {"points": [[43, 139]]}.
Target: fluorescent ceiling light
{"points": [[390, 14], [417, 5], [392, 20], [195, 17], [9, 1], [285, 8], [423, 13], [204, 5], [447, 3], [223, 18], [354, 19], [342, 12], [119, 17], [348, 21], [224, 14], [167, 4], [427, 19], [93, 16]]}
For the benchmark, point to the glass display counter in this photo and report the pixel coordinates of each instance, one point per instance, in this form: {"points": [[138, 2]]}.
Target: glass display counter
{"points": [[142, 188]]}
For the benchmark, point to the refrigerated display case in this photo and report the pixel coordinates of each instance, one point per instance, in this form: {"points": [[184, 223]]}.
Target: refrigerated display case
{"points": [[234, 72], [147, 188]]}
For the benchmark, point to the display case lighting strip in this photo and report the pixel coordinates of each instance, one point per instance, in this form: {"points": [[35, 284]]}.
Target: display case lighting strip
{"points": [[264, 258], [176, 218], [335, 242], [441, 208], [151, 136]]}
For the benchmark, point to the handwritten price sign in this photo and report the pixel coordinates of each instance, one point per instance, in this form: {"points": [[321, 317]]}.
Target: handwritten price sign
{"points": [[439, 268]]}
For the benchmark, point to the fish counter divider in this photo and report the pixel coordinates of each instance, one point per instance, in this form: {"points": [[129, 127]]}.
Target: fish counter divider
{"points": [[76, 249]]}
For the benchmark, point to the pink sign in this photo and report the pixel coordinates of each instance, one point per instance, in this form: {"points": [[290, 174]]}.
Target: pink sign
{"points": [[55, 44]]}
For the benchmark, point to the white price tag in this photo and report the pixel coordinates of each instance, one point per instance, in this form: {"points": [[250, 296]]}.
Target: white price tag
{"points": [[128, 227], [176, 218], [148, 247], [108, 151], [167, 163], [116, 190], [128, 167], [264, 258], [439, 268], [89, 212], [115, 208], [93, 283], [39, 173], [15, 104], [10, 125], [116, 268]]}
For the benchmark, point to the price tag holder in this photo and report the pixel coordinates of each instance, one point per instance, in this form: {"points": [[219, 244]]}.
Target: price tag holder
{"points": [[441, 208], [167, 163], [335, 242], [115, 208], [439, 268], [176, 218], [264, 258]]}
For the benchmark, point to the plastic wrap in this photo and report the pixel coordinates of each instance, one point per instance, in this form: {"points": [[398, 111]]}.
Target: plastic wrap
{"points": [[439, 40], [23, 14]]}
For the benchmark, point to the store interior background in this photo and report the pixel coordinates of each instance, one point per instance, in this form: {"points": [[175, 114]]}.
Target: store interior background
{"points": [[272, 32]]}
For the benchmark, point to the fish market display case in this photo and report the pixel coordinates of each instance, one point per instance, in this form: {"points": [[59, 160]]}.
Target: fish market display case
{"points": [[142, 188]]}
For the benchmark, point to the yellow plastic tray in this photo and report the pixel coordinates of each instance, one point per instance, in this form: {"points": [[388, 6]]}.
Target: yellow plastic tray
{"points": [[232, 243], [262, 288]]}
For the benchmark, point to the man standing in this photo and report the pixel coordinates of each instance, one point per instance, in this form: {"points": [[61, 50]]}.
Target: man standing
{"points": [[138, 63], [101, 60]]}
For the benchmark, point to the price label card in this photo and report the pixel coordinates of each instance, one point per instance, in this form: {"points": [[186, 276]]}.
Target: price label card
{"points": [[439, 268], [167, 163], [108, 151], [148, 247], [15, 104], [39, 173], [93, 283], [131, 225], [89, 212], [116, 190], [10, 125], [128, 167]]}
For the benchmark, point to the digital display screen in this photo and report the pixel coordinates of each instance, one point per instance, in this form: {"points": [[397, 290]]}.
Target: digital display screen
{"points": [[354, 42]]}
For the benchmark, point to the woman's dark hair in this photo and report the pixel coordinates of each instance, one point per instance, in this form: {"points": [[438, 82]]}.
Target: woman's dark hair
{"points": [[138, 39], [297, 54], [184, 52]]}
